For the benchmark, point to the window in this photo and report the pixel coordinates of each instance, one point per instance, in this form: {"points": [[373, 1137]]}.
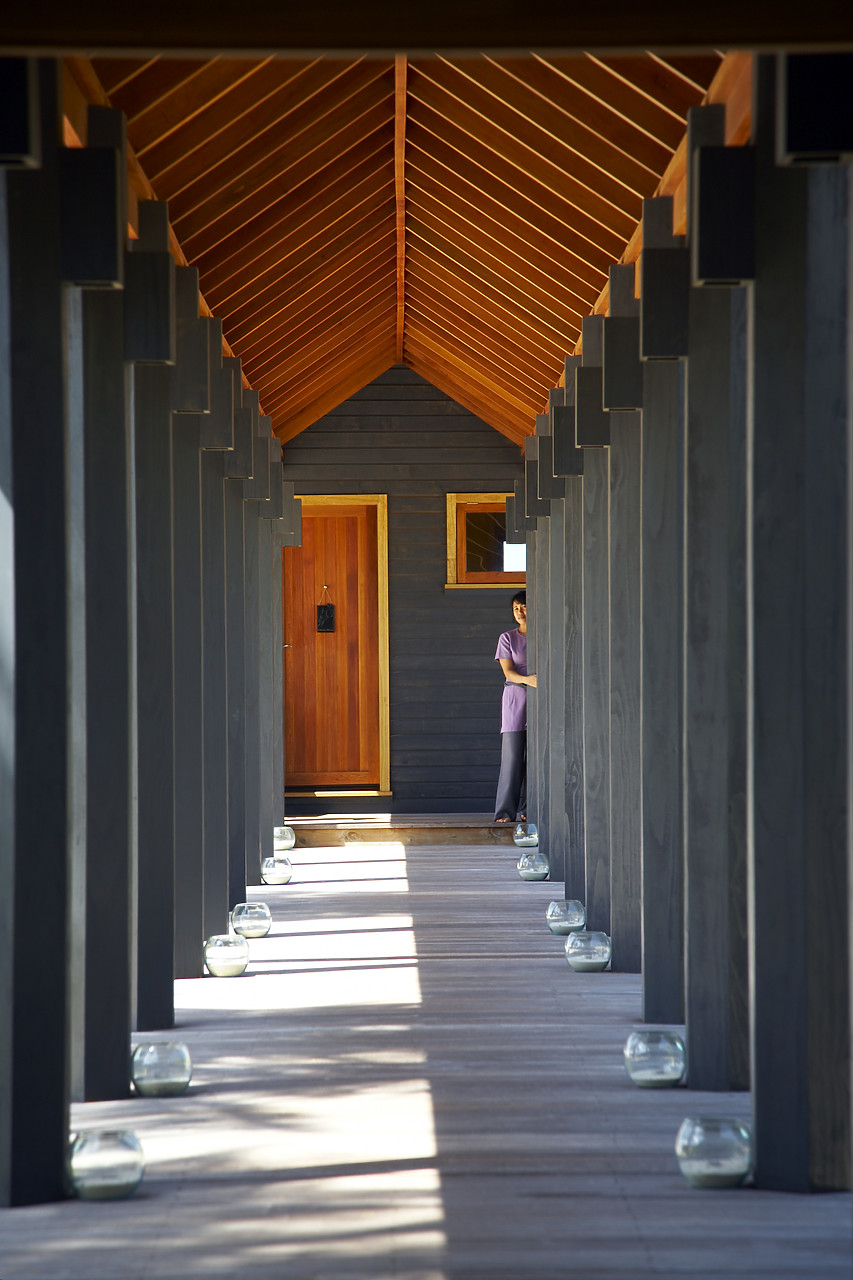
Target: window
{"points": [[478, 553]]}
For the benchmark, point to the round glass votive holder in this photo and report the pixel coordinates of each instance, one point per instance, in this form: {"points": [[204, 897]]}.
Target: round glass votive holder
{"points": [[566, 915], [655, 1059], [525, 835], [283, 838], [251, 919], [105, 1164], [161, 1069], [588, 952], [714, 1151], [226, 955], [533, 865], [276, 870]]}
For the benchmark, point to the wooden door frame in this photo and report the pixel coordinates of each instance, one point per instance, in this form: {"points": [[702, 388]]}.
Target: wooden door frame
{"points": [[380, 502]]}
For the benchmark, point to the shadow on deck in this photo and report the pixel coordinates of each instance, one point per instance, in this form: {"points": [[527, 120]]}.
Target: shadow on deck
{"points": [[409, 1082]]}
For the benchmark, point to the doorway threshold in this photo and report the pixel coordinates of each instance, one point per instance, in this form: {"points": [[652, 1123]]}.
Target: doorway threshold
{"points": [[404, 828]]}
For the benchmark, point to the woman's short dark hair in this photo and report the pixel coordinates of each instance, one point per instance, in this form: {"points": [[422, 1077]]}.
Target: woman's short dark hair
{"points": [[520, 597]]}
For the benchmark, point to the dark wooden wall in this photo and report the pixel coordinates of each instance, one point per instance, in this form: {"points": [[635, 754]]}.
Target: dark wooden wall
{"points": [[403, 437]]}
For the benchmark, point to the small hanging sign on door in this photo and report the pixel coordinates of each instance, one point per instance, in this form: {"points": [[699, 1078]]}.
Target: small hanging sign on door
{"points": [[325, 613]]}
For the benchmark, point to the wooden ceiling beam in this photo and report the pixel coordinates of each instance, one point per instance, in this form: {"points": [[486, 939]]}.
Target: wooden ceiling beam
{"points": [[503, 345], [325, 288], [501, 244], [476, 206], [302, 278], [312, 292], [400, 109], [519, 208], [142, 95], [298, 229], [317, 381], [469, 369], [294, 362], [217, 117], [698, 70], [257, 129], [355, 209], [540, 309], [582, 233], [619, 96], [488, 409], [514, 379], [115, 72], [626, 135], [472, 109], [261, 159], [176, 110], [295, 207], [552, 130], [226, 212], [296, 183], [483, 303], [419, 25], [321, 309], [287, 428], [657, 81]]}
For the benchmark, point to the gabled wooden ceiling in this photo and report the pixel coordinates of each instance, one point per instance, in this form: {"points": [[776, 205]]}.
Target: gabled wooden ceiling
{"points": [[458, 214]]}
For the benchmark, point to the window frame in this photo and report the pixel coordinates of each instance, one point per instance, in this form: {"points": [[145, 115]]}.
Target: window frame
{"points": [[458, 504]]}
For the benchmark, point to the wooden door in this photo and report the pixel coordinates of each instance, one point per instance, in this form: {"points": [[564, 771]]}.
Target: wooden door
{"points": [[331, 678]]}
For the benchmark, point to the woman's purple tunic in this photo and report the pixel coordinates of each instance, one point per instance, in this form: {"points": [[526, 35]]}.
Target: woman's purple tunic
{"points": [[513, 645]]}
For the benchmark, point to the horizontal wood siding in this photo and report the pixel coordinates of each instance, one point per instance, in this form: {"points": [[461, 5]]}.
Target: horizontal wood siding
{"points": [[401, 436]]}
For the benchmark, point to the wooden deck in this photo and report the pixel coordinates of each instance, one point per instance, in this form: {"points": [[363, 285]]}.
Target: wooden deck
{"points": [[410, 1083]]}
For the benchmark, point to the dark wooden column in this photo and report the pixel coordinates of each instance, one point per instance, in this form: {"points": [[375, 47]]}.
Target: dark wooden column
{"points": [[33, 1004], [592, 435], [240, 469], [798, 588], [215, 672], [538, 660], [267, 713], [626, 755], [661, 394], [536, 509], [150, 345], [196, 343], [252, 677], [284, 535], [93, 179], [625, 692], [553, 747], [569, 775], [715, 646]]}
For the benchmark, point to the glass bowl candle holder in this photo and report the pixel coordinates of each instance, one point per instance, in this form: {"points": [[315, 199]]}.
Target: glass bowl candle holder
{"points": [[588, 952], [162, 1069], [105, 1164], [565, 916], [276, 870], [251, 919], [283, 838], [655, 1059], [226, 955], [525, 835], [533, 865], [714, 1151]]}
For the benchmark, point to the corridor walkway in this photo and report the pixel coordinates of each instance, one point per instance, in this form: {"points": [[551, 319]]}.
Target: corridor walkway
{"points": [[410, 1084]]}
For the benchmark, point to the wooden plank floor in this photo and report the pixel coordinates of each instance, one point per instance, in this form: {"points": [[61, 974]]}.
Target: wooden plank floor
{"points": [[410, 1083]]}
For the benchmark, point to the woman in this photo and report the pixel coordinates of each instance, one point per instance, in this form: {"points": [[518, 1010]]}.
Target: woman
{"points": [[512, 655]]}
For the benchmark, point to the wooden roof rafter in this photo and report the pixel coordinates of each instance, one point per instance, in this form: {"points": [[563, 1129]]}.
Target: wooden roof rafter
{"points": [[455, 214]]}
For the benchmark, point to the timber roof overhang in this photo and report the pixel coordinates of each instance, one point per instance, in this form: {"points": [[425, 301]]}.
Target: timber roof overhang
{"points": [[455, 213]]}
